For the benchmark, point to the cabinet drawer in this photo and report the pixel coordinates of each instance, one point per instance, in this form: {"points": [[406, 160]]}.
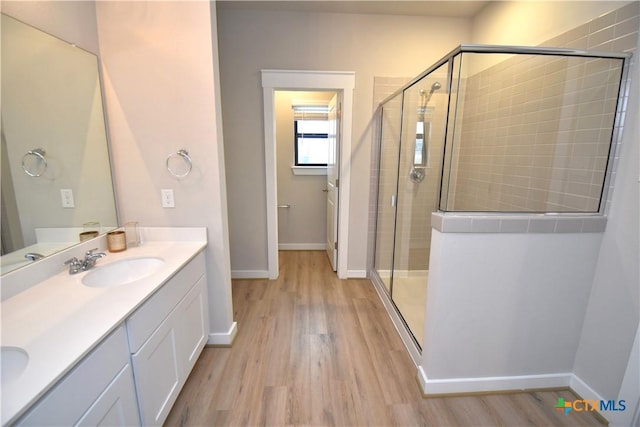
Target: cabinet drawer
{"points": [[142, 323], [66, 403]]}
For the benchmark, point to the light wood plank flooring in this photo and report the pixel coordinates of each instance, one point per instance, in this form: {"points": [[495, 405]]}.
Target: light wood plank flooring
{"points": [[313, 350]]}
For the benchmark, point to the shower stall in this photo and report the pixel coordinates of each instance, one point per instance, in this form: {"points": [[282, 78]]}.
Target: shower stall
{"points": [[489, 130]]}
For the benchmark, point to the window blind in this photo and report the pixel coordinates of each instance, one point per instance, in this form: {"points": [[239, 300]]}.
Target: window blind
{"points": [[310, 112]]}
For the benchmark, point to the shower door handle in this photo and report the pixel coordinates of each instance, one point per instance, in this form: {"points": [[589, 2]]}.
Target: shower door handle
{"points": [[393, 200]]}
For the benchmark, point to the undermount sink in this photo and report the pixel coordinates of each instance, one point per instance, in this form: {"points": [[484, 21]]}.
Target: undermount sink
{"points": [[122, 272], [13, 362]]}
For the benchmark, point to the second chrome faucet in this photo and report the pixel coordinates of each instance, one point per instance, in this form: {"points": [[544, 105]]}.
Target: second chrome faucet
{"points": [[89, 261]]}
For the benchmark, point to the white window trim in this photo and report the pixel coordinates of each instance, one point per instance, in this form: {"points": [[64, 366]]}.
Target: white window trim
{"points": [[338, 81], [309, 170]]}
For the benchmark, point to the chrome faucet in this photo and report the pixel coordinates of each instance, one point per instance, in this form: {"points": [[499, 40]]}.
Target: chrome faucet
{"points": [[33, 256], [89, 261]]}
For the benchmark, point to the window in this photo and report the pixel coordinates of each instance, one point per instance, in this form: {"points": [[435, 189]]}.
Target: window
{"points": [[418, 155], [311, 135]]}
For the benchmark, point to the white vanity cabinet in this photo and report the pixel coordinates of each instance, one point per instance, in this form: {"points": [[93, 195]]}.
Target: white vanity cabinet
{"points": [[114, 352], [98, 391], [134, 376], [166, 336]]}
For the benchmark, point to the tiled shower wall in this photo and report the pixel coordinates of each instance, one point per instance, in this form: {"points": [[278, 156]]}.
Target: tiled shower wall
{"points": [[533, 132]]}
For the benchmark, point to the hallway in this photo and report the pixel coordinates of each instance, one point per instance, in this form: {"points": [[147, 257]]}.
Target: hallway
{"points": [[315, 350]]}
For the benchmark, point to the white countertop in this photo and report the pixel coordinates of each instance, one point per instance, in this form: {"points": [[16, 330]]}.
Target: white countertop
{"points": [[59, 320]]}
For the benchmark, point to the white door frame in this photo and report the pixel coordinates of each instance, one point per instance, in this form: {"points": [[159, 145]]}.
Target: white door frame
{"points": [[338, 81]]}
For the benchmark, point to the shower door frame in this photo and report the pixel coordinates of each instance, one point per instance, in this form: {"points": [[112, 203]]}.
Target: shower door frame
{"points": [[406, 335]]}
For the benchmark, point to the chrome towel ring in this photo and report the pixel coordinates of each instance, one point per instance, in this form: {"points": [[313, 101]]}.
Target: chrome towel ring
{"points": [[180, 154], [28, 163]]}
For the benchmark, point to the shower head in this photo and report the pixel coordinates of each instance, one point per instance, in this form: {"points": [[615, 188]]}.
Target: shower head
{"points": [[426, 97]]}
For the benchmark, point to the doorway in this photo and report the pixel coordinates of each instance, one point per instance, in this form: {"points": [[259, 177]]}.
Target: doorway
{"points": [[342, 83], [303, 155]]}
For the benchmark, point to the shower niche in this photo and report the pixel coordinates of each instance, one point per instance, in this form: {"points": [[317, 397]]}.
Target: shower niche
{"points": [[489, 130]]}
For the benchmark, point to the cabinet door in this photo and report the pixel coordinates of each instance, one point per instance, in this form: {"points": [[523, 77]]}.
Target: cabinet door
{"points": [[192, 327], [116, 406], [78, 391], [157, 374]]}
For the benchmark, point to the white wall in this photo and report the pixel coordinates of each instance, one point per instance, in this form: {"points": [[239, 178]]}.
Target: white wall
{"points": [[160, 71], [503, 305], [602, 307], [370, 45], [613, 313]]}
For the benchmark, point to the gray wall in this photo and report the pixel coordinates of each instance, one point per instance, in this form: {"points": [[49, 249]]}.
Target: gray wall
{"points": [[73, 21], [52, 99], [369, 45]]}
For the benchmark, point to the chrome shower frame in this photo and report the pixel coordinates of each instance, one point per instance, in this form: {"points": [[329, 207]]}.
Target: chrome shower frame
{"points": [[623, 95]]}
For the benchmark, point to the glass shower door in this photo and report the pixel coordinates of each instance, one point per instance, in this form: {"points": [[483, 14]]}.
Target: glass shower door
{"points": [[387, 189], [419, 177]]}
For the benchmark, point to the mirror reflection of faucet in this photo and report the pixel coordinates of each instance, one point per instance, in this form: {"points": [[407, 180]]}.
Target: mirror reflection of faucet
{"points": [[33, 256]]}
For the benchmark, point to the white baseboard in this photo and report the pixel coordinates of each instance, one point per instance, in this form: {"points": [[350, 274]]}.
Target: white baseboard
{"points": [[491, 384], [432, 387], [583, 390], [223, 338], [357, 274], [301, 246], [249, 274]]}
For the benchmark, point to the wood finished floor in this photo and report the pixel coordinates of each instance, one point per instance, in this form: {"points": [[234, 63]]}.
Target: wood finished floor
{"points": [[313, 350]]}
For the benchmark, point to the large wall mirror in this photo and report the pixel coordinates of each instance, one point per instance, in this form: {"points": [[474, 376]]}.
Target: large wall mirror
{"points": [[56, 178]]}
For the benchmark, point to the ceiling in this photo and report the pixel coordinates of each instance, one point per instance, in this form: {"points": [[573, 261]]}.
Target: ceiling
{"points": [[452, 8]]}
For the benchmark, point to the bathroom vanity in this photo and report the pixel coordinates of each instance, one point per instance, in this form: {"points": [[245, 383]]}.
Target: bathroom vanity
{"points": [[109, 346]]}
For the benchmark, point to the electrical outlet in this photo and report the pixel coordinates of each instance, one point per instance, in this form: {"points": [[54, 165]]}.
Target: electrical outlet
{"points": [[66, 194], [167, 198]]}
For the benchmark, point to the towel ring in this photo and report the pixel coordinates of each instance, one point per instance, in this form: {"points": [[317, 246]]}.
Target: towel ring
{"points": [[184, 154], [39, 154]]}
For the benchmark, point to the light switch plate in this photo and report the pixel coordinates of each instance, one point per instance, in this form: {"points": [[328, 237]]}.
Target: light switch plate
{"points": [[167, 198], [66, 195]]}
